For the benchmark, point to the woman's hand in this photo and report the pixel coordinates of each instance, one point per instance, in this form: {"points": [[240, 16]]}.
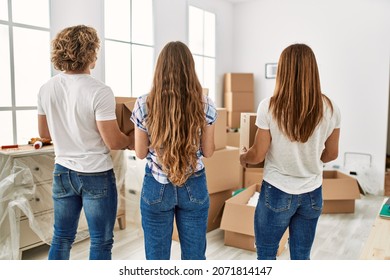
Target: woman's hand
{"points": [[243, 156]]}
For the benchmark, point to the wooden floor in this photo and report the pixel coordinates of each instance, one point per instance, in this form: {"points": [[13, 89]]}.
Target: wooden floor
{"points": [[339, 237]]}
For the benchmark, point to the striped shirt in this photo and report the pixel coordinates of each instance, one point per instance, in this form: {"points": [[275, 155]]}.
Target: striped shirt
{"points": [[139, 116]]}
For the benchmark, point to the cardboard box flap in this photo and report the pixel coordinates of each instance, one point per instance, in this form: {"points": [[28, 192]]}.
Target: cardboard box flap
{"points": [[237, 215], [124, 107], [128, 102], [339, 186]]}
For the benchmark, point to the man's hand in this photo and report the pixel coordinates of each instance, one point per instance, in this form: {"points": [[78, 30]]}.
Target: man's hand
{"points": [[131, 146]]}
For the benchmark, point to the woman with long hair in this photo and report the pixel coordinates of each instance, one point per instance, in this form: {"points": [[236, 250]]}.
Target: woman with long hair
{"points": [[298, 131], [174, 129]]}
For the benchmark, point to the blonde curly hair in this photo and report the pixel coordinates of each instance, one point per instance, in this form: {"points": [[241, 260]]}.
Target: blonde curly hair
{"points": [[75, 48]]}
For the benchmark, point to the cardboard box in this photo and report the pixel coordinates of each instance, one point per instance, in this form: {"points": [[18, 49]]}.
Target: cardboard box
{"points": [[124, 107], [239, 82], [223, 170], [233, 139], [220, 131], [248, 131], [253, 176], [387, 182], [339, 192], [237, 221], [239, 101], [217, 203], [233, 119]]}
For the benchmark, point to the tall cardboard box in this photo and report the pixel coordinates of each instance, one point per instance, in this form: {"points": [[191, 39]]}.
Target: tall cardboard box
{"points": [[238, 96], [123, 110], [339, 192], [233, 119], [223, 170], [239, 82], [248, 131], [237, 221], [220, 131], [236, 101], [217, 203], [233, 139]]}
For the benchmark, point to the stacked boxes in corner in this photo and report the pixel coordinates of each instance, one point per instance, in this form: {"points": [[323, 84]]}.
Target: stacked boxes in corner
{"points": [[238, 96]]}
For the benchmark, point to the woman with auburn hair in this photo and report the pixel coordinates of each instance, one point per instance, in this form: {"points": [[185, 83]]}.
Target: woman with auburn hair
{"points": [[77, 112], [298, 131], [174, 129]]}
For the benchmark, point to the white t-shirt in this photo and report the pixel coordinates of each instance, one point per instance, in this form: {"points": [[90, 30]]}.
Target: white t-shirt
{"points": [[294, 167], [72, 105]]}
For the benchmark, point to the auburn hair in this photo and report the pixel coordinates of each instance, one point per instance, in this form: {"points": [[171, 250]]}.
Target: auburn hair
{"points": [[297, 104], [75, 48], [176, 118]]}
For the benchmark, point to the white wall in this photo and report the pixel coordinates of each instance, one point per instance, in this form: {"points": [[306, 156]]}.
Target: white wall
{"points": [[352, 44], [73, 12], [170, 22]]}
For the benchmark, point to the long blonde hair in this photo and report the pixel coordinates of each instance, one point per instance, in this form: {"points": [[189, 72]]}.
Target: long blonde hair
{"points": [[297, 104], [176, 117]]}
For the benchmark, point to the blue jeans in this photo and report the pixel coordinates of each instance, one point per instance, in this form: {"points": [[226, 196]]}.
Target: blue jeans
{"points": [[189, 204], [277, 210], [97, 194]]}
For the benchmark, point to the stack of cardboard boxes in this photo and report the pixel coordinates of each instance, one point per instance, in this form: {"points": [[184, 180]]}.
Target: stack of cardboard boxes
{"points": [[238, 98]]}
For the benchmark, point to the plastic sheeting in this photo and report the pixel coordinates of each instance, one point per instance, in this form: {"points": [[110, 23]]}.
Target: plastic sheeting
{"points": [[359, 165], [26, 207]]}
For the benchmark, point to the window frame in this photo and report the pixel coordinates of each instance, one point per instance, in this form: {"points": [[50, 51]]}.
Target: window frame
{"points": [[14, 108], [203, 56], [131, 43]]}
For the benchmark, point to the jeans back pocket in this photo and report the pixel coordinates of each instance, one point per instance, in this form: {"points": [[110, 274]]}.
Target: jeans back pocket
{"points": [[276, 199], [152, 191], [196, 187]]}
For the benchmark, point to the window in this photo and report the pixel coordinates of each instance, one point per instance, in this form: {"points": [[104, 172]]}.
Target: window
{"points": [[129, 50], [25, 66], [201, 35]]}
